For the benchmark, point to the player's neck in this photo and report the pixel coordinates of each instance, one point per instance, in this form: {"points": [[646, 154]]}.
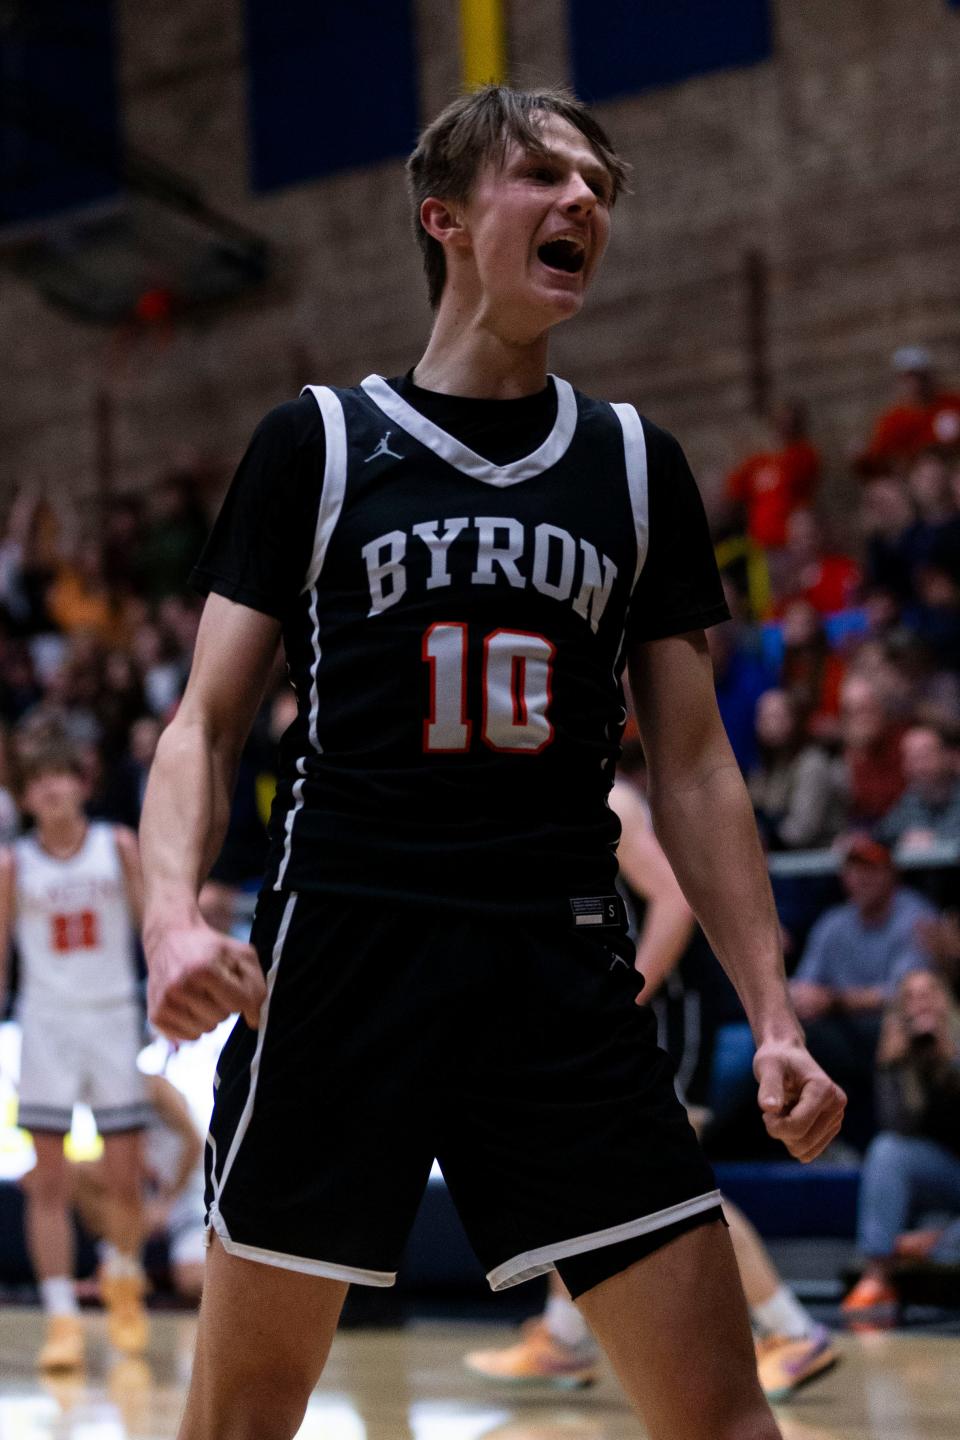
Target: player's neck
{"points": [[63, 837], [471, 359]]}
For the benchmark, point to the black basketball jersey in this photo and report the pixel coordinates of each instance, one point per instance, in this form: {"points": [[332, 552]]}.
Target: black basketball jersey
{"points": [[456, 632]]}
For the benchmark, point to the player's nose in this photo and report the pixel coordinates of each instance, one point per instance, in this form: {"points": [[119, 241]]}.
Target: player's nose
{"points": [[577, 198]]}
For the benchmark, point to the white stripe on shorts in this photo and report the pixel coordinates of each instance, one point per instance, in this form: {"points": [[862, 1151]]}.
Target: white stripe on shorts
{"points": [[538, 1262], [304, 1266]]}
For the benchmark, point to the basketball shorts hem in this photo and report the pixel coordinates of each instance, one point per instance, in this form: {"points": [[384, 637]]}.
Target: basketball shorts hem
{"points": [[47, 1119], [302, 1264], [113, 1119], [537, 1262]]}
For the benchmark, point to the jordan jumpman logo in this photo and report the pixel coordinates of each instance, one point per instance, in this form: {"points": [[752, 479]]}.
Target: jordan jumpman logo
{"points": [[383, 448]]}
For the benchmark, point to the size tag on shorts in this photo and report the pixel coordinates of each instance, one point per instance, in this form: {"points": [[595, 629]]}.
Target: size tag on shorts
{"points": [[597, 910]]}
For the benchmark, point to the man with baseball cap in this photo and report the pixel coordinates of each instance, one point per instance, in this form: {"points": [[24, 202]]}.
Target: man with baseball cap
{"points": [[855, 957]]}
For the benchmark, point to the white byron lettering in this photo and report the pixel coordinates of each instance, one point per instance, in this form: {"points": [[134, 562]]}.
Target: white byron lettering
{"points": [[387, 576], [438, 545], [565, 549], [594, 590], [489, 553]]}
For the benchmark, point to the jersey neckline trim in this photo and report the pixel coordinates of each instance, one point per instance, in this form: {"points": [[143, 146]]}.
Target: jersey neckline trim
{"points": [[460, 456]]}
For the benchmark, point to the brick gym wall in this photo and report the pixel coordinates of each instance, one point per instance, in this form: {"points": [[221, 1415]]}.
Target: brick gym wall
{"points": [[822, 184]]}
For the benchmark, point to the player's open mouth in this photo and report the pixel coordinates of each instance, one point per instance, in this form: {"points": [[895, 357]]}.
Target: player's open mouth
{"points": [[565, 255]]}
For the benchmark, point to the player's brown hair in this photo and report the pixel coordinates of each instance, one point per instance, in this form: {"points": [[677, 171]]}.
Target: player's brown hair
{"points": [[477, 128]]}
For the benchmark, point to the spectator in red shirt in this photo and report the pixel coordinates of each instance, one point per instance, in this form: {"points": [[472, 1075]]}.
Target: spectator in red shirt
{"points": [[772, 484], [812, 672], [922, 415], [872, 759], [826, 579]]}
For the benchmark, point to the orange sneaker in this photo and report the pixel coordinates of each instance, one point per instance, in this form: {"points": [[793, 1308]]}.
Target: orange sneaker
{"points": [[537, 1356], [62, 1348], [127, 1325], [872, 1301]]}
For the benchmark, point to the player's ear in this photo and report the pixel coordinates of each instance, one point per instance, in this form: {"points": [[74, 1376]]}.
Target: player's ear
{"points": [[442, 220]]}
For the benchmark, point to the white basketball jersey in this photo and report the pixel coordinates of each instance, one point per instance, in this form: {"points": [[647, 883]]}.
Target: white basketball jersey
{"points": [[73, 927]]}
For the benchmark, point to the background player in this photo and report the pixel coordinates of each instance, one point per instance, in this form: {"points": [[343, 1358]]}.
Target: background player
{"points": [[173, 1174], [557, 1346], [438, 910], [70, 895]]}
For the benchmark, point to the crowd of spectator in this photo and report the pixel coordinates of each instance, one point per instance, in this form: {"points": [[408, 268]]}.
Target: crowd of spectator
{"points": [[97, 628]]}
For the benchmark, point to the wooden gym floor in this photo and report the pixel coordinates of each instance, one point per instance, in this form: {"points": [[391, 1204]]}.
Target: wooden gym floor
{"points": [[409, 1384]]}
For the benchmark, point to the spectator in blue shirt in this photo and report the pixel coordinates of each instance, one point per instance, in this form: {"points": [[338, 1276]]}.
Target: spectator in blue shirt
{"points": [[928, 811], [855, 957]]}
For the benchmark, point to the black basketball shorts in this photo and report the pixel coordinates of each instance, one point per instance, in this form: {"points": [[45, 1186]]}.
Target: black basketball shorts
{"points": [[514, 1054]]}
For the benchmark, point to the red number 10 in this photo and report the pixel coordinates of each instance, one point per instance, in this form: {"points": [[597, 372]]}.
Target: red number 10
{"points": [[517, 690]]}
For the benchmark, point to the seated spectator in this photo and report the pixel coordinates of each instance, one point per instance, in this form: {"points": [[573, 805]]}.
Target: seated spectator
{"points": [[122, 523], [792, 785], [29, 559], [162, 668], [922, 415], [855, 956], [912, 1167], [826, 579], [871, 762], [934, 536], [772, 484], [884, 520], [935, 617], [173, 537], [928, 811], [812, 671], [125, 781], [741, 676], [942, 938], [81, 599], [916, 689]]}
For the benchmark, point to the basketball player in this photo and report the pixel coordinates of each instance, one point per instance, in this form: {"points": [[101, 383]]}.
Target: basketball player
{"points": [[461, 561], [70, 894]]}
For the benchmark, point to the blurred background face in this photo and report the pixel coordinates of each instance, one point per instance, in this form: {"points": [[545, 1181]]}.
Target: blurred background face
{"points": [[862, 717], [54, 795], [801, 624], [869, 886], [929, 483], [804, 534], [776, 720], [923, 1002], [926, 759], [886, 508]]}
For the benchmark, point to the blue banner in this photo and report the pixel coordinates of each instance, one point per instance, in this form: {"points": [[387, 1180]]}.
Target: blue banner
{"points": [[620, 47], [331, 86], [59, 124]]}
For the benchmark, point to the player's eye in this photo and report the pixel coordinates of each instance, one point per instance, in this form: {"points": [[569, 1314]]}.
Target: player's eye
{"points": [[541, 173]]}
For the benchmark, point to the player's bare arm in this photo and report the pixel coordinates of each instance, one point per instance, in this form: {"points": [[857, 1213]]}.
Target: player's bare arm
{"points": [[8, 880], [668, 922], [197, 977], [704, 821]]}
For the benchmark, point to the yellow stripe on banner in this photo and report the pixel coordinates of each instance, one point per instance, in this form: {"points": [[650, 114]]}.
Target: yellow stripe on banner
{"points": [[483, 46]]}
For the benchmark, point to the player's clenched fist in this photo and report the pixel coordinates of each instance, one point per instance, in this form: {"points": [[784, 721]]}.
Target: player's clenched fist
{"points": [[801, 1105], [197, 977]]}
